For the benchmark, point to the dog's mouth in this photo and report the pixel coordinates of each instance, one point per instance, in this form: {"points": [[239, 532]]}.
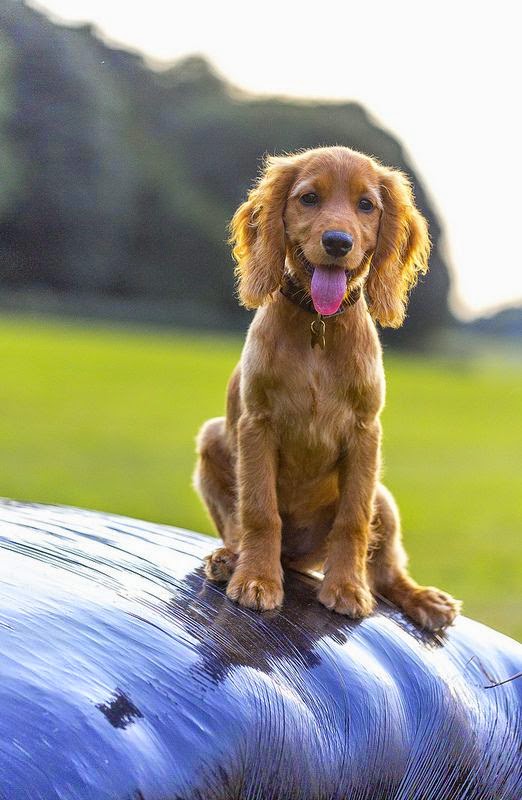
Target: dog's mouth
{"points": [[328, 285]]}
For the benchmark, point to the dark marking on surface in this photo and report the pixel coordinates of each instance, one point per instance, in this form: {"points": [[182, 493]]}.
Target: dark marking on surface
{"points": [[120, 712]]}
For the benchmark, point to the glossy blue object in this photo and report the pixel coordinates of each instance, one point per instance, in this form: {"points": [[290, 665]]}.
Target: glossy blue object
{"points": [[125, 675]]}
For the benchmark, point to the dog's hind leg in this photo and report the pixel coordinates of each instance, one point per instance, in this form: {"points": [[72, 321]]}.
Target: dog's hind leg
{"points": [[215, 481], [427, 606]]}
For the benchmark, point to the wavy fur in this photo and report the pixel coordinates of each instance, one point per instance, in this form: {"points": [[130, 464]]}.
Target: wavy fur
{"points": [[291, 474]]}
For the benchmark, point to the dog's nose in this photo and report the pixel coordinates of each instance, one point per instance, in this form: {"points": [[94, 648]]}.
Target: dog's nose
{"points": [[337, 243]]}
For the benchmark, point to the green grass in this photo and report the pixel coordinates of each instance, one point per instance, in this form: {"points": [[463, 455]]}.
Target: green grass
{"points": [[106, 418]]}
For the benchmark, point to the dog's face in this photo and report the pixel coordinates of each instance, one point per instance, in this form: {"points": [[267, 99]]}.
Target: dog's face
{"points": [[331, 222], [335, 217]]}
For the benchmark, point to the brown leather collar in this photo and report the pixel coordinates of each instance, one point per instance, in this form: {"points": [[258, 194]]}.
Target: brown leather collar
{"points": [[293, 291]]}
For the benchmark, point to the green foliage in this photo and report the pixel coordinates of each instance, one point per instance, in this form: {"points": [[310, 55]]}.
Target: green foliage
{"points": [[106, 418]]}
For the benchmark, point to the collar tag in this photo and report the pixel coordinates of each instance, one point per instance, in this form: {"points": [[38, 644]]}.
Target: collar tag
{"points": [[317, 329]]}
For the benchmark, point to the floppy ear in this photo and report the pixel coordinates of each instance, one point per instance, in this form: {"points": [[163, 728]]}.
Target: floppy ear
{"points": [[258, 233], [403, 248]]}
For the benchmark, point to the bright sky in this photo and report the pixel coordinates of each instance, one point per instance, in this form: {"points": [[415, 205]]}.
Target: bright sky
{"points": [[443, 77]]}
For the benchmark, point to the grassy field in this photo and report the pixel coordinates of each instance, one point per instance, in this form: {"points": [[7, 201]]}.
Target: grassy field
{"points": [[106, 418]]}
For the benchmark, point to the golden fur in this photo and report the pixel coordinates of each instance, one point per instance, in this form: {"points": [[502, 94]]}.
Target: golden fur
{"points": [[291, 474]]}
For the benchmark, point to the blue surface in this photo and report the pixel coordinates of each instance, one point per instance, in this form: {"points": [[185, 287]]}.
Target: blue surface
{"points": [[124, 674]]}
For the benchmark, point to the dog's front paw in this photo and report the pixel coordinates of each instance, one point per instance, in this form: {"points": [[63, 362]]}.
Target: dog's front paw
{"points": [[257, 592], [220, 564], [353, 599], [432, 609]]}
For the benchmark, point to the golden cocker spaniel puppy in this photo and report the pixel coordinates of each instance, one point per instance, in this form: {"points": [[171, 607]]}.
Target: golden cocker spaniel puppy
{"points": [[327, 241]]}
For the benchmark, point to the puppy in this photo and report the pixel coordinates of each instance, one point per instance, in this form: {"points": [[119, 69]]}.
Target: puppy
{"points": [[328, 241]]}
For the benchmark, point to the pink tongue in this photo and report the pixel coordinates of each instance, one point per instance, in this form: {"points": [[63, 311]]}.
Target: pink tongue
{"points": [[328, 289]]}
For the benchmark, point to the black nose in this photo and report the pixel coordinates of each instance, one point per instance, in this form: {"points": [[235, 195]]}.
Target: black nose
{"points": [[337, 243]]}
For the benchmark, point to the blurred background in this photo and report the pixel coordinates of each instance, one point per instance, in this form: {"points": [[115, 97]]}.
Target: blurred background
{"points": [[129, 135]]}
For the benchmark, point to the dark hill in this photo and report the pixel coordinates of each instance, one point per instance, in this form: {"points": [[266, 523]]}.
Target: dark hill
{"points": [[117, 181]]}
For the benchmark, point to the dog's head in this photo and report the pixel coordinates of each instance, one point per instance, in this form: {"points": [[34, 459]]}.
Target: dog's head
{"points": [[337, 218]]}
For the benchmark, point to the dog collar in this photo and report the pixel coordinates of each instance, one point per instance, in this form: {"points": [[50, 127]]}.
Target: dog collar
{"points": [[296, 294]]}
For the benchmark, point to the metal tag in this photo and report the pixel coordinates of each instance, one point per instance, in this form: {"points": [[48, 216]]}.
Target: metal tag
{"points": [[317, 329]]}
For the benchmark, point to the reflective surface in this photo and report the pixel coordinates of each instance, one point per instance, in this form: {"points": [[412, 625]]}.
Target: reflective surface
{"points": [[124, 674]]}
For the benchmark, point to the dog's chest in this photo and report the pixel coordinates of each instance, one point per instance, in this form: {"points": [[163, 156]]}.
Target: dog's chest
{"points": [[314, 409]]}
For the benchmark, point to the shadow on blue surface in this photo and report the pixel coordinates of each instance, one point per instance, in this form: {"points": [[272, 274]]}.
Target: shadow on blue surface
{"points": [[124, 674]]}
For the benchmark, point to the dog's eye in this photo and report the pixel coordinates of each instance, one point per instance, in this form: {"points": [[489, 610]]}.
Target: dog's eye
{"points": [[365, 204], [309, 199]]}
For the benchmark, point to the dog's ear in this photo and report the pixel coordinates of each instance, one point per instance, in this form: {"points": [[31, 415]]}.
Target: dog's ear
{"points": [[403, 248], [258, 233]]}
